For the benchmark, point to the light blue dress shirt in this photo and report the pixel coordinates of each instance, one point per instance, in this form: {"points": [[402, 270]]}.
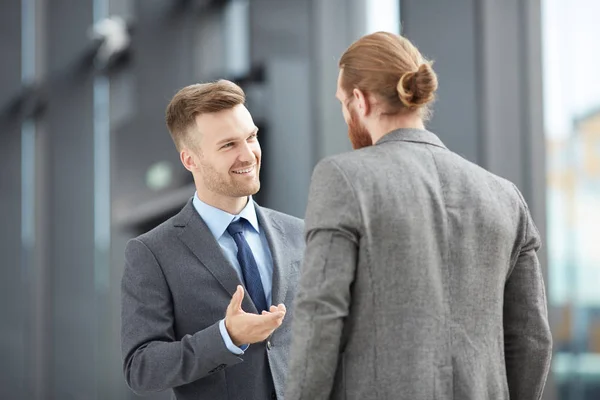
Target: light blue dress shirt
{"points": [[217, 221]]}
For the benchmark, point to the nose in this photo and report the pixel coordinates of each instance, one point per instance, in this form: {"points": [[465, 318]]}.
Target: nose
{"points": [[246, 154]]}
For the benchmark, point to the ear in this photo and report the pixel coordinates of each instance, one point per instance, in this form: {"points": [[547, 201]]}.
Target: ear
{"points": [[362, 102], [188, 160]]}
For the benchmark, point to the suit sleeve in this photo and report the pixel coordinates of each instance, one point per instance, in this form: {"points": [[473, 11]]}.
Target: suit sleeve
{"points": [[324, 294], [527, 337], [153, 360]]}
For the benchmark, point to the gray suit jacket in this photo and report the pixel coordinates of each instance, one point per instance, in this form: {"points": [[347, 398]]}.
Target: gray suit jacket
{"points": [[176, 287], [420, 280]]}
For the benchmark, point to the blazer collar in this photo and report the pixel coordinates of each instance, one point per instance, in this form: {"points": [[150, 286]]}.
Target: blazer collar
{"points": [[218, 220], [411, 135], [279, 246], [199, 239], [196, 235]]}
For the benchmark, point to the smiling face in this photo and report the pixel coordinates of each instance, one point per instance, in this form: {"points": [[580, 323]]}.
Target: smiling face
{"points": [[225, 155]]}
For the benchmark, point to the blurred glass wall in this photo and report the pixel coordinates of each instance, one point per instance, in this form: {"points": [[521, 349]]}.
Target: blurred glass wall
{"points": [[86, 161], [572, 127]]}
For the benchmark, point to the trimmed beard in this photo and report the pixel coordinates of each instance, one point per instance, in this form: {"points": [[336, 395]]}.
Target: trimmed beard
{"points": [[358, 134], [227, 185]]}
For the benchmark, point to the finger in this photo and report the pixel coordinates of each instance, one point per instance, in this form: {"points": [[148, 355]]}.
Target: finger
{"points": [[236, 299], [273, 319], [279, 321], [281, 307], [265, 312], [273, 309]]}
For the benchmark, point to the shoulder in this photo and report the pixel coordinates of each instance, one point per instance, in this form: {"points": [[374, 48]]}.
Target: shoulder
{"points": [[338, 163], [347, 165], [158, 237], [286, 221], [288, 226]]}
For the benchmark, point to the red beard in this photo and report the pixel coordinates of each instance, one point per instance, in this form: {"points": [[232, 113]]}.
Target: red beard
{"points": [[359, 136]]}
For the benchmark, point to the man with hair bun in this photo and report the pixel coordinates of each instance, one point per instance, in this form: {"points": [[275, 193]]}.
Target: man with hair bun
{"points": [[420, 277]]}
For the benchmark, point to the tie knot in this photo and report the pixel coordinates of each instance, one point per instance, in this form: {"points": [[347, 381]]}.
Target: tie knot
{"points": [[236, 227]]}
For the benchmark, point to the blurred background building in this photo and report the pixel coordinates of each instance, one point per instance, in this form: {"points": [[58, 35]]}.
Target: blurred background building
{"points": [[86, 161]]}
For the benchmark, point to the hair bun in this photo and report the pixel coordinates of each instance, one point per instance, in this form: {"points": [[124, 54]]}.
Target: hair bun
{"points": [[417, 88]]}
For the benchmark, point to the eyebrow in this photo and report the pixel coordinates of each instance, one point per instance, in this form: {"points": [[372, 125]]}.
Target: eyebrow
{"points": [[233, 139]]}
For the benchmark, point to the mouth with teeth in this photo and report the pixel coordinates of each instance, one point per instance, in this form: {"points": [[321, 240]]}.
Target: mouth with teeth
{"points": [[244, 171]]}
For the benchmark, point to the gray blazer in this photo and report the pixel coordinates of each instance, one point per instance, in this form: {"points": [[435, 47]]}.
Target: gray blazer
{"points": [[176, 287], [420, 281]]}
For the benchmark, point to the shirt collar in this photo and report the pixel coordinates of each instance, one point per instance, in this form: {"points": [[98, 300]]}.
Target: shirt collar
{"points": [[218, 220]]}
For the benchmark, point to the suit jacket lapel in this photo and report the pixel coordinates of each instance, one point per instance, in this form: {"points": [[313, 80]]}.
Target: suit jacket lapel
{"points": [[198, 238], [277, 244]]}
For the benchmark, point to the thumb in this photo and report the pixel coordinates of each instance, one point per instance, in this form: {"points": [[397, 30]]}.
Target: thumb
{"points": [[236, 299]]}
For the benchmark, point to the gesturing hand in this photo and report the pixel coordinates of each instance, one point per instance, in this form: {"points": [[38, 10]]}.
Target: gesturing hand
{"points": [[248, 328]]}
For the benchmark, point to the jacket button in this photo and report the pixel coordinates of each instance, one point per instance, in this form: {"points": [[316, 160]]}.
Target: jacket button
{"points": [[269, 345]]}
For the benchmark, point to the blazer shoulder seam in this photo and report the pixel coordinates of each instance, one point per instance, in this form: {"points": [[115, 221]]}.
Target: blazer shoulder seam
{"points": [[525, 213], [352, 189], [162, 273]]}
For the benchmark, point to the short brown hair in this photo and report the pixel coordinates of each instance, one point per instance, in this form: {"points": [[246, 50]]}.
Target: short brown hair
{"points": [[201, 98], [390, 67]]}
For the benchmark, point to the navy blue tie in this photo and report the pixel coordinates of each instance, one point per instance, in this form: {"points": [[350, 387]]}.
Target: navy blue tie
{"points": [[248, 264]]}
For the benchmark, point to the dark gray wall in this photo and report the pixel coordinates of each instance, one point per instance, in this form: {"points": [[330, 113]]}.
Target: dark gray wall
{"points": [[335, 25], [12, 286], [281, 42], [69, 204]]}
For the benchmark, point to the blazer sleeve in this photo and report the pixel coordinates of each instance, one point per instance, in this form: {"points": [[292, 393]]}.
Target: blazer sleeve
{"points": [[323, 298], [527, 337], [153, 360]]}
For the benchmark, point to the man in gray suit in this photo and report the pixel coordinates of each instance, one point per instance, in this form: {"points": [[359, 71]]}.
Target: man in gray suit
{"points": [[204, 293], [420, 277]]}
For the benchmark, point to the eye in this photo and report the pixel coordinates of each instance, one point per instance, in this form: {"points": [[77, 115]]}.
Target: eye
{"points": [[253, 136], [227, 145]]}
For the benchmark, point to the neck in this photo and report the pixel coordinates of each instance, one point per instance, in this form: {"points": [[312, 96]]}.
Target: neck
{"points": [[387, 124], [231, 205]]}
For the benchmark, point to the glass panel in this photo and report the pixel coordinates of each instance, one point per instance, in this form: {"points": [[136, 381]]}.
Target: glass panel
{"points": [[572, 126]]}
